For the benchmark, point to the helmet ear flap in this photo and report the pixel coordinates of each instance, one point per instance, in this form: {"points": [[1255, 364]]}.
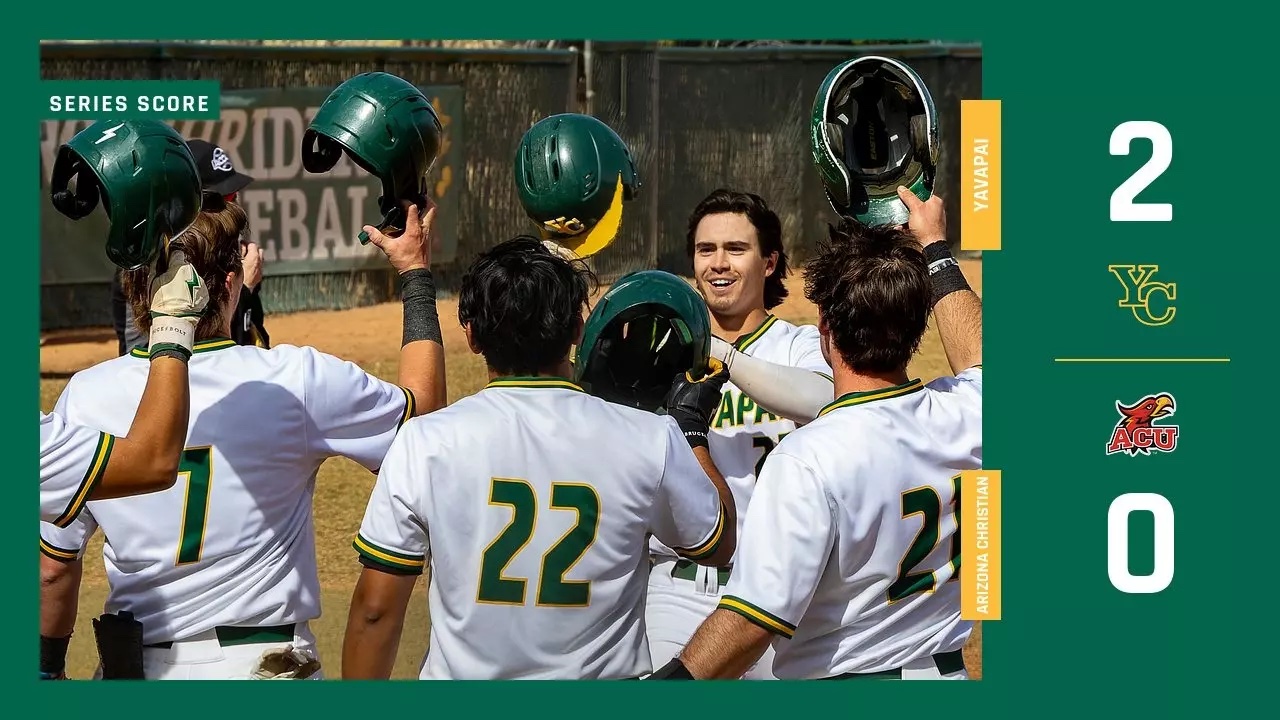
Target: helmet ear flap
{"points": [[319, 153], [75, 205]]}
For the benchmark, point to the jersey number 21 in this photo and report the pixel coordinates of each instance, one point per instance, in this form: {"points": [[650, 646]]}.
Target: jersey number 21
{"points": [[924, 501]]}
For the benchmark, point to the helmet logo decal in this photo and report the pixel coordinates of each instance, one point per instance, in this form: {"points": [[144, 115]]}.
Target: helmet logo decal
{"points": [[108, 134], [565, 226], [221, 161]]}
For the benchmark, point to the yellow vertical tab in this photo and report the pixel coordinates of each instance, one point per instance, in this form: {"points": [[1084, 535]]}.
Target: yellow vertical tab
{"points": [[980, 545], [980, 174]]}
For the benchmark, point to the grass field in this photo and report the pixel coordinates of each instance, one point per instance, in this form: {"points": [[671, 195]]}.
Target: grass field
{"points": [[369, 337]]}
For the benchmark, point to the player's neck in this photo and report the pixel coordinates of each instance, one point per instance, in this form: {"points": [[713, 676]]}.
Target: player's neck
{"points": [[731, 327], [216, 333], [563, 370], [847, 380]]}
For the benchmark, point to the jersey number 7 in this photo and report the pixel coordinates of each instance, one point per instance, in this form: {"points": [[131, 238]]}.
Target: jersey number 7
{"points": [[553, 589], [196, 468], [924, 501]]}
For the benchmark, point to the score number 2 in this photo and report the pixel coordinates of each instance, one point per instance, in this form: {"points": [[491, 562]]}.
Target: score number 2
{"points": [[1123, 208]]}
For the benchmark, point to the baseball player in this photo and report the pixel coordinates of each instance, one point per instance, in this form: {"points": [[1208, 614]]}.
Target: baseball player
{"points": [[851, 542], [779, 379], [77, 463], [531, 500], [221, 568], [216, 578]]}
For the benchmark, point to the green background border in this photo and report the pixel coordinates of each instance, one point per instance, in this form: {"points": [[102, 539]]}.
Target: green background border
{"points": [[1068, 644]]}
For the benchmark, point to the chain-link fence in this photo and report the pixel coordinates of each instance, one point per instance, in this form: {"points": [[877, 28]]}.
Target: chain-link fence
{"points": [[695, 118]]}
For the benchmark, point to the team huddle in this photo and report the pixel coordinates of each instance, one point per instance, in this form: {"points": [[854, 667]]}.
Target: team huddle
{"points": [[670, 483]]}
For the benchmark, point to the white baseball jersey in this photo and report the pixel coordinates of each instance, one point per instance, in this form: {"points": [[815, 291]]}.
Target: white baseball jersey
{"points": [[743, 433], [852, 541], [534, 500], [232, 542], [72, 461]]}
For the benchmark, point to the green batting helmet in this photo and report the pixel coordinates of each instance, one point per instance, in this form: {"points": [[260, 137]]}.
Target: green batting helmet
{"points": [[874, 127], [143, 173], [388, 128], [649, 327], [573, 174]]}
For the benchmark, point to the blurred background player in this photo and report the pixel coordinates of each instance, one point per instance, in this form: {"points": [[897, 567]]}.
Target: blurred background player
{"points": [[851, 543], [220, 571], [221, 183], [778, 378], [531, 500]]}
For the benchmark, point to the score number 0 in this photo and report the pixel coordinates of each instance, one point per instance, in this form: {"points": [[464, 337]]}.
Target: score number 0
{"points": [[1124, 209]]}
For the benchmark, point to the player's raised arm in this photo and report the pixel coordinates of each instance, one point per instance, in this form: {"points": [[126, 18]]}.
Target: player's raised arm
{"points": [[146, 460], [422, 349], [79, 464], [957, 308], [690, 518]]}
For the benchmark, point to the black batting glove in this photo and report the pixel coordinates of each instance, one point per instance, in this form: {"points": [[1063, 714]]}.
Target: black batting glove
{"points": [[693, 403]]}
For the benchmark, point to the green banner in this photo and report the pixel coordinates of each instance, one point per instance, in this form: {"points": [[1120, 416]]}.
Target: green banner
{"points": [[305, 223], [131, 99]]}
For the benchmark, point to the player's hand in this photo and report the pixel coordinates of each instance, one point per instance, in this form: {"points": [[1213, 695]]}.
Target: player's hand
{"points": [[411, 249], [251, 257], [178, 300], [693, 402], [928, 219], [722, 351]]}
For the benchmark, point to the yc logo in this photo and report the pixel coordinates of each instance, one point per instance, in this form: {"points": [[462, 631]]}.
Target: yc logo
{"points": [[1138, 286]]}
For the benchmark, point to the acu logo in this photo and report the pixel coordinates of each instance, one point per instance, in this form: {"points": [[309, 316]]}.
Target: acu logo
{"points": [[1136, 432], [1138, 287]]}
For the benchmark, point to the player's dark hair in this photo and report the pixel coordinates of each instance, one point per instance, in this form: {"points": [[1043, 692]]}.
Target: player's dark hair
{"points": [[525, 305], [768, 229], [871, 287], [212, 246]]}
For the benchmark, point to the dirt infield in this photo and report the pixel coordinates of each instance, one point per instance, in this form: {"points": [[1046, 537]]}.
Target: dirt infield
{"points": [[369, 337]]}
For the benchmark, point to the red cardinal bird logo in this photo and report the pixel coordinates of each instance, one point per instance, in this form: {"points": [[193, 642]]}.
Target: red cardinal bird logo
{"points": [[1136, 431]]}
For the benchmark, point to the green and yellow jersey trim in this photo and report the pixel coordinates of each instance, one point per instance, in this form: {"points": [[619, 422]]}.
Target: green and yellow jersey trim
{"points": [[92, 476], [410, 406], [57, 553], [385, 557], [860, 398], [822, 374], [533, 382], [710, 545], [746, 341], [758, 616], [201, 346]]}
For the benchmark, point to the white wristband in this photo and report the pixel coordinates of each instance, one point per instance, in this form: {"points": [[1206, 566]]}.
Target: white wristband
{"points": [[170, 330]]}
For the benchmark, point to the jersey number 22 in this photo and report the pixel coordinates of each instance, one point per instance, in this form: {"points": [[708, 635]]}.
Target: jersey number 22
{"points": [[553, 589]]}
